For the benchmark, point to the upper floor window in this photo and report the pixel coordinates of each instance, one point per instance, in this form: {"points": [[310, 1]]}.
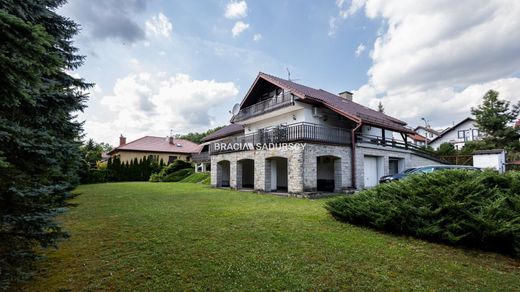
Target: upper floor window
{"points": [[461, 134], [464, 134], [476, 133]]}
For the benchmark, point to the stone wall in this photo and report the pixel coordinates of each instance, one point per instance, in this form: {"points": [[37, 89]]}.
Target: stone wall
{"points": [[302, 165]]}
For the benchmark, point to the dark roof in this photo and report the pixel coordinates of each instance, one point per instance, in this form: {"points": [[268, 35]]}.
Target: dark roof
{"points": [[452, 128], [158, 144], [224, 132], [428, 130], [491, 151], [344, 107]]}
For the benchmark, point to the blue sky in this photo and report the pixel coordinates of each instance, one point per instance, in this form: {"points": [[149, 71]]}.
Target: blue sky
{"points": [[181, 65]]}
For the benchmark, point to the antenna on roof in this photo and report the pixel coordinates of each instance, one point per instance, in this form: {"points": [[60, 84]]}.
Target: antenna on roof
{"points": [[171, 132], [289, 75]]}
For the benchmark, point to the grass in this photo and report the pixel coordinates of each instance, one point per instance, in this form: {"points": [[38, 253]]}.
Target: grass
{"points": [[197, 177], [180, 236]]}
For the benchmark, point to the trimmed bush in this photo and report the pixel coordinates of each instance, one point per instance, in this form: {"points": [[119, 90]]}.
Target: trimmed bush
{"points": [[198, 177], [460, 207], [176, 166]]}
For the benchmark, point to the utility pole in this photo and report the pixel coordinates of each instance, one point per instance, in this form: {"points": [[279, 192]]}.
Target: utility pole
{"points": [[427, 127]]}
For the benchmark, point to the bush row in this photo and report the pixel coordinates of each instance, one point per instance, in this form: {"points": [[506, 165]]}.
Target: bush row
{"points": [[478, 209]]}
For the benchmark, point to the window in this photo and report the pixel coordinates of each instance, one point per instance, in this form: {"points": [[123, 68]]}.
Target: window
{"points": [[188, 159], [171, 159], [476, 134], [461, 134]]}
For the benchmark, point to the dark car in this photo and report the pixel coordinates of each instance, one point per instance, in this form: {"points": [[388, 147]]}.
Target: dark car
{"points": [[423, 169], [391, 177]]}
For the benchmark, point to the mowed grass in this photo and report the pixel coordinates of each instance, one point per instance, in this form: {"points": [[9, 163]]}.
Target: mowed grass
{"points": [[182, 236]]}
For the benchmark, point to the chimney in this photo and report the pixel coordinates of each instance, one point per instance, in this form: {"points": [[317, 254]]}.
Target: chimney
{"points": [[346, 95], [122, 140], [170, 139]]}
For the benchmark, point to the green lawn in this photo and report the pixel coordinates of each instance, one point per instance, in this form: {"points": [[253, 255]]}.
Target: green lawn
{"points": [[166, 236]]}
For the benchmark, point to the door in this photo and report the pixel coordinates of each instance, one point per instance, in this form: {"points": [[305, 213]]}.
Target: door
{"points": [[370, 174], [274, 175]]}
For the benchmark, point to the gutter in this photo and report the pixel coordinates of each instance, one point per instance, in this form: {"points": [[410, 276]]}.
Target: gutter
{"points": [[353, 154]]}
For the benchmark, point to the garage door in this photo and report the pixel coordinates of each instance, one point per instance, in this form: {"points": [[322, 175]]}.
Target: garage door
{"points": [[370, 171]]}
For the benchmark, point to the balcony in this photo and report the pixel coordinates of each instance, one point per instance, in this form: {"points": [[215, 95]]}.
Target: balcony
{"points": [[264, 106], [299, 132], [200, 157]]}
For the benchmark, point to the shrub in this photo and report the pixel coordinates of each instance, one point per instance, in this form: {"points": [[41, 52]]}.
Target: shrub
{"points": [[175, 166], [479, 209]]}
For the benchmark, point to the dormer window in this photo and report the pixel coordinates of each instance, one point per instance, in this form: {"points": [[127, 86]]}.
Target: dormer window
{"points": [[179, 145]]}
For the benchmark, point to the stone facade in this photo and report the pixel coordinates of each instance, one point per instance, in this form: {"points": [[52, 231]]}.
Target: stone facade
{"points": [[302, 165]]}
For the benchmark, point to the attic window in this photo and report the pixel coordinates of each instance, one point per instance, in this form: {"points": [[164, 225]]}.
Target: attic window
{"points": [[179, 145]]}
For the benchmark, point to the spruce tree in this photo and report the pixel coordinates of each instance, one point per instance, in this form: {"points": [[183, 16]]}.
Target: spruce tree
{"points": [[494, 119], [39, 139]]}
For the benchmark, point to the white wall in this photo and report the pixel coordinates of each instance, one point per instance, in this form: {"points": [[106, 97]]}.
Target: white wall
{"points": [[302, 113], [452, 135], [495, 161]]}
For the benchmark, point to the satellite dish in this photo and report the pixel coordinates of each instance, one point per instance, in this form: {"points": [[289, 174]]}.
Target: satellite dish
{"points": [[236, 109]]}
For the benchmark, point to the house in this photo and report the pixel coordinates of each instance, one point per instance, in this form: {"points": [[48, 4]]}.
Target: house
{"points": [[464, 131], [417, 139], [427, 132], [168, 149], [300, 140], [201, 158]]}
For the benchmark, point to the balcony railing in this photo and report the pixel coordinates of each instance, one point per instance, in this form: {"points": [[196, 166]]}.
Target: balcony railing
{"points": [[200, 157], [264, 106], [377, 140], [299, 132]]}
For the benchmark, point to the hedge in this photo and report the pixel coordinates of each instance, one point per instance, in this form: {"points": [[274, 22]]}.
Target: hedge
{"points": [[459, 207]]}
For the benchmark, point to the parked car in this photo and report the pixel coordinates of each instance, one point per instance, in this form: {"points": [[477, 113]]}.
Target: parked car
{"points": [[423, 169], [390, 177]]}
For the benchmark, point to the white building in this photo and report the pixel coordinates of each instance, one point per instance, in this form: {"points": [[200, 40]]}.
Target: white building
{"points": [[466, 130], [340, 144], [427, 132]]}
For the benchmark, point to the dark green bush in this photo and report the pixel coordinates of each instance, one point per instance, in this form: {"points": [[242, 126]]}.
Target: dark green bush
{"points": [[175, 166], [176, 171], [477, 209], [94, 176]]}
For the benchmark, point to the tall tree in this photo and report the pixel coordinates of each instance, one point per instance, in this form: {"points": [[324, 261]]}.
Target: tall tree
{"points": [[495, 118], [39, 138], [380, 107]]}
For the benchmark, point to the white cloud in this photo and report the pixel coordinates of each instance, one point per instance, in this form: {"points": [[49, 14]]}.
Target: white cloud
{"points": [[236, 10], [360, 49], [257, 37], [152, 104], [429, 61], [238, 28], [159, 26], [343, 14]]}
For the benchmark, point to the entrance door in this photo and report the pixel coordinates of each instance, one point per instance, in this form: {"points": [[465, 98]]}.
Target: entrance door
{"points": [[370, 171], [274, 175]]}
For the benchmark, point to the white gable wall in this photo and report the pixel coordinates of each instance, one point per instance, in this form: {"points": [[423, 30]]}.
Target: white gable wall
{"points": [[452, 136]]}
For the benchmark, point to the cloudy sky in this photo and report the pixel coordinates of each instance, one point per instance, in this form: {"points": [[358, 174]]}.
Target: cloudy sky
{"points": [[162, 65]]}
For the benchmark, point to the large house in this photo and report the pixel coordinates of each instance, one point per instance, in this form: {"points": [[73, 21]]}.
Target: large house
{"points": [[287, 137], [464, 131], [168, 149]]}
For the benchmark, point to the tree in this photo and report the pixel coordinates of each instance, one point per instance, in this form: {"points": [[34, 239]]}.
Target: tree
{"points": [[92, 151], [380, 107], [197, 137], [494, 118], [446, 149], [39, 137]]}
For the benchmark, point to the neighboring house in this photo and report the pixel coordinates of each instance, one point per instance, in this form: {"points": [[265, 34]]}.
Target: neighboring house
{"points": [[346, 145], [168, 149], [466, 130], [417, 140], [427, 132]]}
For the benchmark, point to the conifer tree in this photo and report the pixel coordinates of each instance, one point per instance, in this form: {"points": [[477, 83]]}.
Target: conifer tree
{"points": [[39, 139]]}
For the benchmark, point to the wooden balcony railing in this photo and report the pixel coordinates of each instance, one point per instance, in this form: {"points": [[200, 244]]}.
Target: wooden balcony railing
{"points": [[299, 132], [264, 106]]}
